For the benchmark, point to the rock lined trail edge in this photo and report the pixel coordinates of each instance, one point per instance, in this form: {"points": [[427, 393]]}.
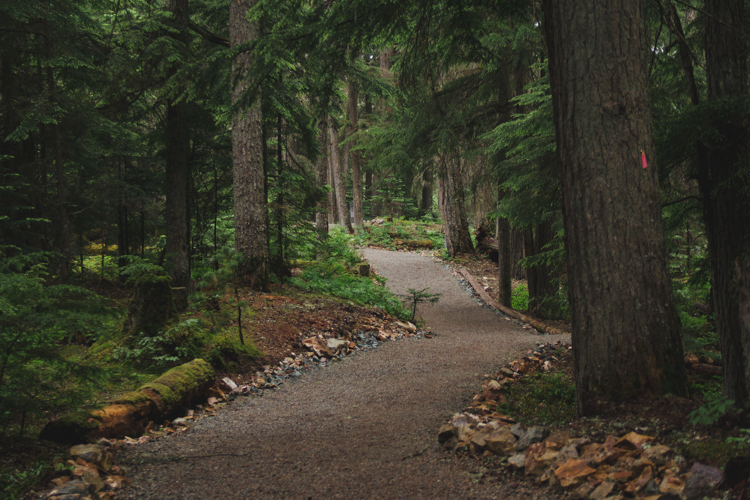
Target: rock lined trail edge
{"points": [[365, 427]]}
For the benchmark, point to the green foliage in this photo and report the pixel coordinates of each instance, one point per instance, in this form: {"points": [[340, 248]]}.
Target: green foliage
{"points": [[416, 297], [520, 298], [745, 440], [13, 483], [333, 274], [547, 398], [36, 321], [711, 412]]}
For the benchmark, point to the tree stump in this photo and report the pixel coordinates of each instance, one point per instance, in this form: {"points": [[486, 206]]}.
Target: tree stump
{"points": [[152, 305]]}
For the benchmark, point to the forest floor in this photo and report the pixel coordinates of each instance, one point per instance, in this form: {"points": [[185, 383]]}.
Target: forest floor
{"points": [[367, 425]]}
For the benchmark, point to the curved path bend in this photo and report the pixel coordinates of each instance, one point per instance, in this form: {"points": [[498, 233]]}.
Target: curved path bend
{"points": [[362, 428]]}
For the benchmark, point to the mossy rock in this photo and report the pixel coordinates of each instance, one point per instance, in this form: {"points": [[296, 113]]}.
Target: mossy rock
{"points": [[152, 305]]}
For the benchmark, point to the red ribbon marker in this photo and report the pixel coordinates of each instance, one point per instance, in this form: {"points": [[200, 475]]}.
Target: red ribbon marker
{"points": [[643, 159]]}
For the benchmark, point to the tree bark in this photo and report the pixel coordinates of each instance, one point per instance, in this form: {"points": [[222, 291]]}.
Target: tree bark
{"points": [[427, 186], [338, 178], [356, 174], [626, 333], [502, 230], [539, 276], [250, 219], [724, 180], [176, 172], [62, 210], [321, 180], [457, 238]]}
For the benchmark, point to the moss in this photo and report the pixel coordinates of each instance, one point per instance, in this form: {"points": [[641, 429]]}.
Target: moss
{"points": [[152, 305], [71, 428], [182, 384], [169, 399], [133, 398]]}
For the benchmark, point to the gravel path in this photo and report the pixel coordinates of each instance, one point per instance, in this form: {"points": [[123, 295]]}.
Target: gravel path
{"points": [[350, 430]]}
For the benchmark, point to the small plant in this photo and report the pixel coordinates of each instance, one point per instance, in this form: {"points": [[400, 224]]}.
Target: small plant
{"points": [[520, 298], [711, 412], [416, 297], [742, 439]]}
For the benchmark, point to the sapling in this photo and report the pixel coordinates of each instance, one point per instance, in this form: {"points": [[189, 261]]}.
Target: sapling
{"points": [[416, 297]]}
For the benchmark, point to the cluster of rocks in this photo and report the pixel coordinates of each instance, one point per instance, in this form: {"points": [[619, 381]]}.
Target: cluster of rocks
{"points": [[632, 465], [319, 351], [88, 474]]}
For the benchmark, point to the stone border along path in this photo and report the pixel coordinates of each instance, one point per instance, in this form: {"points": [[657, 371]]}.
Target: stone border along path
{"points": [[363, 428]]}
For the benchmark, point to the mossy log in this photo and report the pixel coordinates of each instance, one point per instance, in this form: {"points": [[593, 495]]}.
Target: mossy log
{"points": [[129, 414]]}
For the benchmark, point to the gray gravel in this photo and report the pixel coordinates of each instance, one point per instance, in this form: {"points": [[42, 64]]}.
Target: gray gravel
{"points": [[364, 427]]}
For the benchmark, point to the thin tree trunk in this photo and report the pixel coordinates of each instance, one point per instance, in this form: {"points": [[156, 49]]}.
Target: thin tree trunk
{"points": [[724, 182], [502, 230], [356, 174], [626, 333], [62, 210], [321, 180], [427, 186], [338, 178], [251, 236]]}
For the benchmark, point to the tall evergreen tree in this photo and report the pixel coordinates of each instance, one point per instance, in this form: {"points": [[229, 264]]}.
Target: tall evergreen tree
{"points": [[626, 332]]}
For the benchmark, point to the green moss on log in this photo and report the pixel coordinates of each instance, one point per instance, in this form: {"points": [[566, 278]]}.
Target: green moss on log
{"points": [[133, 398], [182, 385], [71, 428]]}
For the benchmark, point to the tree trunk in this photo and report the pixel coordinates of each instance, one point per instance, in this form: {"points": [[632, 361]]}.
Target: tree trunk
{"points": [[539, 277], [502, 230], [176, 172], [457, 238], [321, 180], [724, 181], [626, 333], [338, 178], [427, 185], [62, 210], [247, 158], [356, 174]]}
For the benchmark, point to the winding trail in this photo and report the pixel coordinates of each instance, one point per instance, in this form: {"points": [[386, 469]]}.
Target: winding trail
{"points": [[362, 428]]}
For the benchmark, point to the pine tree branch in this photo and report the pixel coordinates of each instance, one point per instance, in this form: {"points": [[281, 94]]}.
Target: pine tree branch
{"points": [[207, 35]]}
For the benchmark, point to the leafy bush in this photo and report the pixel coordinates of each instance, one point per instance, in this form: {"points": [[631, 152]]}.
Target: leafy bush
{"points": [[36, 320], [711, 412]]}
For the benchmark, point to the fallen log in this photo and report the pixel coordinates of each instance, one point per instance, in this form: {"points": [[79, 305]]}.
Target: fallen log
{"points": [[129, 414], [539, 325]]}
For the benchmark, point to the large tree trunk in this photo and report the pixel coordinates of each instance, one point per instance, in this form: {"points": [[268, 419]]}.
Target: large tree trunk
{"points": [[338, 178], [250, 219], [626, 333], [457, 237], [176, 173], [356, 174], [62, 210], [425, 203], [321, 180], [724, 181]]}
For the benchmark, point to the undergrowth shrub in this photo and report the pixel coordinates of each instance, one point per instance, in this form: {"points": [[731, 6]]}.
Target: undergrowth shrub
{"points": [[37, 320]]}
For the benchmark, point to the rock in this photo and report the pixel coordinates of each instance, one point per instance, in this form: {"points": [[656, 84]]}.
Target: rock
{"points": [[318, 346], [518, 461], [583, 492], [572, 473], [538, 459], [227, 384], [94, 454], [602, 490], [533, 435], [633, 441], [116, 482], [336, 345], [95, 481], [507, 372], [637, 484], [558, 439], [517, 430], [657, 454], [83, 468], [494, 385], [501, 442], [75, 487], [408, 326], [478, 442], [702, 481], [445, 433], [567, 452]]}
